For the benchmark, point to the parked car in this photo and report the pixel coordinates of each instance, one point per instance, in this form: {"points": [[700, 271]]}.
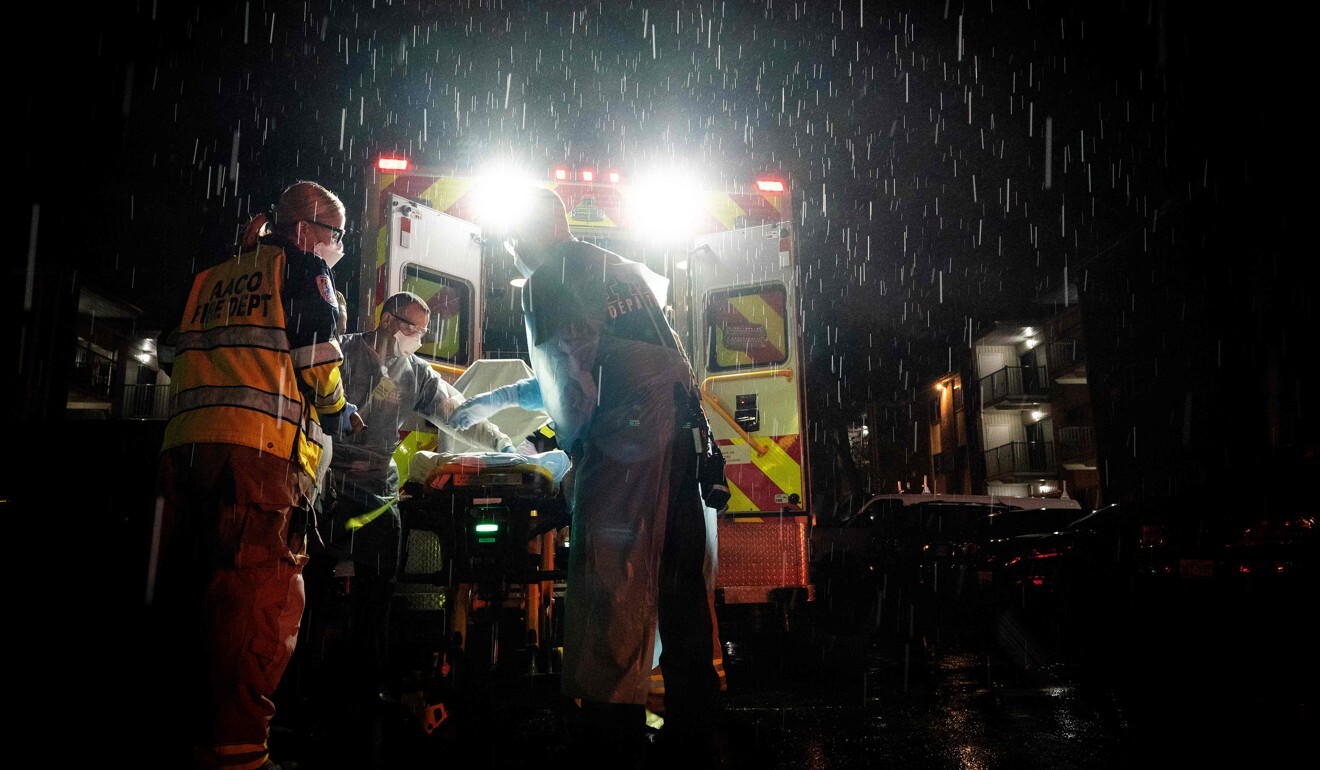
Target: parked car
{"points": [[1160, 550], [1161, 583], [945, 543]]}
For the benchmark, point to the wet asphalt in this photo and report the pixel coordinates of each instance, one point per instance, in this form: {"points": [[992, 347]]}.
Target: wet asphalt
{"points": [[871, 674], [1186, 676]]}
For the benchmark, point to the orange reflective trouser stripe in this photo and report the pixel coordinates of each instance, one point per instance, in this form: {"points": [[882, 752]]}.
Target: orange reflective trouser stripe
{"points": [[240, 756]]}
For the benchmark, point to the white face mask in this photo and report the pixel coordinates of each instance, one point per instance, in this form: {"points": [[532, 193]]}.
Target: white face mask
{"points": [[331, 253], [407, 345]]}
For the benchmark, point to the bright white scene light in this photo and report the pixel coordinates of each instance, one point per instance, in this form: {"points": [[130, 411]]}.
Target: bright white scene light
{"points": [[665, 206], [500, 197]]}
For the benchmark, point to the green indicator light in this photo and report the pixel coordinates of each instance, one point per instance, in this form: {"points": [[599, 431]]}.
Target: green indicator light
{"points": [[488, 528]]}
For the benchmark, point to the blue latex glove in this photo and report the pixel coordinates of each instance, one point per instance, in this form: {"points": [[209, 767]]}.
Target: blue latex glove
{"points": [[524, 393], [340, 421]]}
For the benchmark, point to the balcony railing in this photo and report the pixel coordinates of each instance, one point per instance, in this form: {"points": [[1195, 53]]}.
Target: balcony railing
{"points": [[145, 402], [1067, 353], [1073, 443], [1067, 358], [1019, 457], [92, 371], [1015, 382]]}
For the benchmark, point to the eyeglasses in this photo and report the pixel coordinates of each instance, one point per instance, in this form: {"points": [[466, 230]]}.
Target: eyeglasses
{"points": [[337, 233], [409, 328]]}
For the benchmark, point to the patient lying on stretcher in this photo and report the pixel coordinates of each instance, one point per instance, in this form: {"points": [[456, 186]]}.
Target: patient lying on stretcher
{"points": [[446, 470]]}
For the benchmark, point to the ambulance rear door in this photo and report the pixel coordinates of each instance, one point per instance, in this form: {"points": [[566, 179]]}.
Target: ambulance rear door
{"points": [[438, 257], [746, 339]]}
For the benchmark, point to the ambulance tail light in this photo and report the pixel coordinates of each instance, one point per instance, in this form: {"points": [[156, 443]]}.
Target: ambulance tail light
{"points": [[392, 164], [588, 175], [769, 185], [560, 174], [614, 177]]}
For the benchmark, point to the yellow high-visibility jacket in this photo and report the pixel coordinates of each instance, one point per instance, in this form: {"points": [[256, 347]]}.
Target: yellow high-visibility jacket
{"points": [[258, 355]]}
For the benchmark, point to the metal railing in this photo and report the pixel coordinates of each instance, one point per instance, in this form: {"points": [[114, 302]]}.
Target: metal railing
{"points": [[92, 371], [1065, 354], [1015, 382], [1019, 457], [149, 402], [1075, 442]]}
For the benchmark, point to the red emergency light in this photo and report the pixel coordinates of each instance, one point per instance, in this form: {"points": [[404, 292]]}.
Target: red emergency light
{"points": [[769, 185], [590, 176], [392, 164]]}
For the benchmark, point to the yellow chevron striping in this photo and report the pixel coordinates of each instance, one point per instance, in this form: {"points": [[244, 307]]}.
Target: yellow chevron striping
{"points": [[776, 465], [755, 309], [738, 501], [446, 191], [780, 468], [603, 222], [382, 242], [723, 208]]}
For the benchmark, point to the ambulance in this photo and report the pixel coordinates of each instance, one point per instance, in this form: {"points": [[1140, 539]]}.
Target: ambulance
{"points": [[730, 256]]}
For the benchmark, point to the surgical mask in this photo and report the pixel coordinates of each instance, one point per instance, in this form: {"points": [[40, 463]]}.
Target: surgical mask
{"points": [[407, 345], [330, 252]]}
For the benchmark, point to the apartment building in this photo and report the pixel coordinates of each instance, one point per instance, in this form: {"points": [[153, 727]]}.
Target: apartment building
{"points": [[115, 373], [1017, 419]]}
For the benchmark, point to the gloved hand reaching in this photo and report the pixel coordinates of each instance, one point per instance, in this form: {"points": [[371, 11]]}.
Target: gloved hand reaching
{"points": [[346, 420], [481, 407], [525, 393]]}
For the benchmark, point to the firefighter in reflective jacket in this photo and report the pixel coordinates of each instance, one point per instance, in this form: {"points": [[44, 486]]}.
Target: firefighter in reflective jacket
{"points": [[255, 376]]}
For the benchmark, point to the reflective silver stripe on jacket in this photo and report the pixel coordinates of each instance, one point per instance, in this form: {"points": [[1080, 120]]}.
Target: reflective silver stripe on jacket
{"points": [[233, 336], [273, 404], [315, 434], [332, 397], [315, 355]]}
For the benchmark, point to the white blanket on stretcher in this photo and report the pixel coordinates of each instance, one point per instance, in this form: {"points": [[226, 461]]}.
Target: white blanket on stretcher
{"points": [[423, 462]]}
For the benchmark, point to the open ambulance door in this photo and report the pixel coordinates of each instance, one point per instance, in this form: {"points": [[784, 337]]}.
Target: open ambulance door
{"points": [[748, 363], [437, 257]]}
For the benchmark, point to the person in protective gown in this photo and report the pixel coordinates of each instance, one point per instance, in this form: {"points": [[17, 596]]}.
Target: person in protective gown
{"points": [[609, 370], [363, 529]]}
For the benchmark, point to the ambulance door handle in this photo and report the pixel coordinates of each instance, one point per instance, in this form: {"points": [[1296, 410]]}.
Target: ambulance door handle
{"points": [[715, 404]]}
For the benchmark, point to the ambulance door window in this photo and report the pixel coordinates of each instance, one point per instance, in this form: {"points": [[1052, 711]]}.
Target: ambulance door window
{"points": [[450, 300], [746, 327]]}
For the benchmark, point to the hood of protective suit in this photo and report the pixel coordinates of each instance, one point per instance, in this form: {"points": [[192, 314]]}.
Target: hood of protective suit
{"points": [[567, 306]]}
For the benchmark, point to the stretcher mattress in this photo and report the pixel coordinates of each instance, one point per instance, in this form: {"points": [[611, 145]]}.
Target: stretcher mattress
{"points": [[505, 474]]}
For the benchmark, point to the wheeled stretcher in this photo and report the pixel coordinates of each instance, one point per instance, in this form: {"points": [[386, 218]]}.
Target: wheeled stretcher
{"points": [[485, 537], [485, 507]]}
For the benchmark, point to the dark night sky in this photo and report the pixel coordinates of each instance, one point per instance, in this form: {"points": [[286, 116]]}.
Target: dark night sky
{"points": [[917, 136]]}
